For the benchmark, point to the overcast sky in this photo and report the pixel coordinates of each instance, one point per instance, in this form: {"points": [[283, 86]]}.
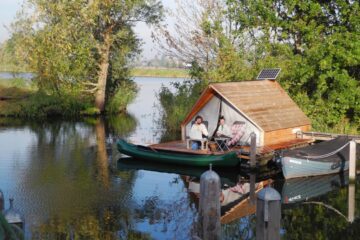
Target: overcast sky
{"points": [[8, 9]]}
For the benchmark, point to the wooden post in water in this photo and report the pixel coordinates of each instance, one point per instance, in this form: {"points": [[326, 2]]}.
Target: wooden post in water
{"points": [[252, 188], [13, 216], [268, 214], [352, 161], [253, 150], [209, 213], [351, 202], [2, 201]]}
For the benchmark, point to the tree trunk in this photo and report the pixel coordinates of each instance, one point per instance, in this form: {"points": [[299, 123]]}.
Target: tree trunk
{"points": [[103, 72]]}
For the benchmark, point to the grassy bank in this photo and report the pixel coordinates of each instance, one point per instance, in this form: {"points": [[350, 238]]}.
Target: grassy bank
{"points": [[21, 98], [160, 72], [13, 94], [18, 98]]}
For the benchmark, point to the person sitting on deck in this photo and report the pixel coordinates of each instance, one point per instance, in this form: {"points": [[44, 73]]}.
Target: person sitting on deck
{"points": [[223, 129], [197, 132], [237, 131]]}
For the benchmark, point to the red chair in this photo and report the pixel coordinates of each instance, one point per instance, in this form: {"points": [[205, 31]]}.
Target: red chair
{"points": [[237, 132]]}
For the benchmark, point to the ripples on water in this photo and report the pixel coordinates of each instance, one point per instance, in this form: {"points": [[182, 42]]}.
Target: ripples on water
{"points": [[67, 184]]}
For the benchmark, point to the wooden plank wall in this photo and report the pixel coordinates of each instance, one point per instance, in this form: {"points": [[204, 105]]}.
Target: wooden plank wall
{"points": [[282, 135]]}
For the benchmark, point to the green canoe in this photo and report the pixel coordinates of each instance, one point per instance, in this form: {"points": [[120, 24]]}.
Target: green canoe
{"points": [[145, 153]]}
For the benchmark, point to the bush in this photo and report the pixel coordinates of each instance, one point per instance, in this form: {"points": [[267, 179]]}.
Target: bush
{"points": [[124, 95], [43, 105], [175, 105]]}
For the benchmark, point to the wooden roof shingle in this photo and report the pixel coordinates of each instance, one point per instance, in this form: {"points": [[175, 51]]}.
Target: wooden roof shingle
{"points": [[265, 102]]}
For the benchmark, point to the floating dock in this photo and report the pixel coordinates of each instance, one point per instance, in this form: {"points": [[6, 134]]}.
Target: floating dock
{"points": [[263, 153]]}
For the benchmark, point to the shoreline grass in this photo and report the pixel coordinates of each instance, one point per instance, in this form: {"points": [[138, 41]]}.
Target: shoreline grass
{"points": [[20, 99]]}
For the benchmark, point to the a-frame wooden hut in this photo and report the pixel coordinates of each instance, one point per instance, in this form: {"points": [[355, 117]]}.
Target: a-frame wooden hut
{"points": [[263, 105]]}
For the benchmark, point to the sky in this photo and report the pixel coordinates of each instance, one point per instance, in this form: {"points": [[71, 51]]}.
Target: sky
{"points": [[9, 8]]}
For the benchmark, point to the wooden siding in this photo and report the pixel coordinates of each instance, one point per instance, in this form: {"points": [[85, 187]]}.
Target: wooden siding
{"points": [[283, 135], [264, 102]]}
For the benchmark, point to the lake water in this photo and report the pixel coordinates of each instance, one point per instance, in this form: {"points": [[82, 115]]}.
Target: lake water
{"points": [[9, 75], [68, 184]]}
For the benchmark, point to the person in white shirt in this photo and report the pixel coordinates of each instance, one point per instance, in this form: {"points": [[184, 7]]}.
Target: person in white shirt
{"points": [[197, 132], [223, 129]]}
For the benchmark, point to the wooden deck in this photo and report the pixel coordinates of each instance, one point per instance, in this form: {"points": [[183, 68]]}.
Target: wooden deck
{"points": [[244, 151]]}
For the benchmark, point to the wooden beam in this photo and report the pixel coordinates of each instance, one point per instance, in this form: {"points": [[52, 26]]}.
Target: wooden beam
{"points": [[205, 97], [352, 161], [328, 136]]}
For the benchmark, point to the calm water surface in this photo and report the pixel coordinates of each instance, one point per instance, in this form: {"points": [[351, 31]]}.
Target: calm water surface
{"points": [[9, 75], [68, 184]]}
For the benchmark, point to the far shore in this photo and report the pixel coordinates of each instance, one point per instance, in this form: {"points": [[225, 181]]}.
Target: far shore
{"points": [[160, 72]]}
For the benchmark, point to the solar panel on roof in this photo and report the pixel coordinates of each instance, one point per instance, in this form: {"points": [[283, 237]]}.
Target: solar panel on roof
{"points": [[268, 73]]}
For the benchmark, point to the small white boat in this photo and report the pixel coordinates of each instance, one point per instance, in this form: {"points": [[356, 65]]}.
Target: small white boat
{"points": [[319, 159]]}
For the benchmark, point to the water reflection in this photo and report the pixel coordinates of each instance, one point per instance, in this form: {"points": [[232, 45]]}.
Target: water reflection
{"points": [[61, 179], [61, 176], [320, 208], [236, 205], [304, 189], [238, 210]]}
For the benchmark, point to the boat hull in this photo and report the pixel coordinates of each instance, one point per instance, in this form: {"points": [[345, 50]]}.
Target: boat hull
{"points": [[145, 153], [297, 167]]}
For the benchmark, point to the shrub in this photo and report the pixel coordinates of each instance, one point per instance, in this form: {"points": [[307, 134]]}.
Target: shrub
{"points": [[43, 105], [124, 95]]}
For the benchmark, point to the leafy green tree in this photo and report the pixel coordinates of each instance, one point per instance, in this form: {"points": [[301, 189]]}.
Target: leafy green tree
{"points": [[7, 61], [317, 44], [82, 45]]}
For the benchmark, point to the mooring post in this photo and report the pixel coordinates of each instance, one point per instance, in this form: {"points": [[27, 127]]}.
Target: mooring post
{"points": [[253, 150], [352, 161], [209, 213], [252, 188], [2, 201], [351, 202], [12, 216], [268, 214]]}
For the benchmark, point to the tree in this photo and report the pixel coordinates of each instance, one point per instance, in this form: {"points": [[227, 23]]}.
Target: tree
{"points": [[191, 37], [318, 45], [203, 35], [82, 44]]}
